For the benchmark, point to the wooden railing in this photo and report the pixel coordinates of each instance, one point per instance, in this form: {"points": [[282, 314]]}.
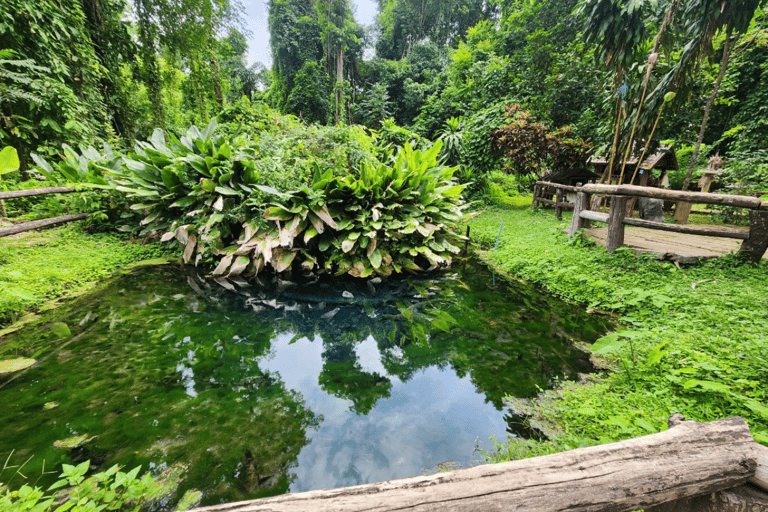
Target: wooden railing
{"points": [[755, 238], [560, 202], [35, 224], [690, 467]]}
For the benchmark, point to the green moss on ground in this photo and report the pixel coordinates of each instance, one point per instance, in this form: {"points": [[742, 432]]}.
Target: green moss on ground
{"points": [[36, 267], [693, 339]]}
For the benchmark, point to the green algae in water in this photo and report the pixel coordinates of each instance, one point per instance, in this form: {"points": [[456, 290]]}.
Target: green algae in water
{"points": [[235, 387]]}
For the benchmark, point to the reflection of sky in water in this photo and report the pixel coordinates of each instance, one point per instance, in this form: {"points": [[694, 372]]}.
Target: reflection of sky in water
{"points": [[435, 417]]}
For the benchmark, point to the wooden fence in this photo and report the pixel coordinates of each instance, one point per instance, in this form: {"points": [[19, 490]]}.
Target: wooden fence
{"points": [[692, 466], [754, 238], [542, 190], [35, 224]]}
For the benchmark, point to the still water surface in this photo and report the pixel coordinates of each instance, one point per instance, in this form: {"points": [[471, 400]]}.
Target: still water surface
{"points": [[279, 387]]}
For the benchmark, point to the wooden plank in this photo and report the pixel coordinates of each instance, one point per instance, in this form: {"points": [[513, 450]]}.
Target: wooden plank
{"points": [[36, 192], [596, 216], [558, 186], [35, 224], [690, 459], [674, 195], [680, 247], [737, 233], [546, 201], [616, 214], [755, 245], [558, 202]]}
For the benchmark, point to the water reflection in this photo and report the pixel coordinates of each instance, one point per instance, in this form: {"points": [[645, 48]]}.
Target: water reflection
{"points": [[269, 389]]}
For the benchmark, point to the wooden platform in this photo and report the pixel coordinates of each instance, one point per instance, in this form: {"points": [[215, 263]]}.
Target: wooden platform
{"points": [[679, 247]]}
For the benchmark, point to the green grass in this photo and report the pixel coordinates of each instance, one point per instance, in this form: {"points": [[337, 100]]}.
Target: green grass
{"points": [[692, 340], [36, 267]]}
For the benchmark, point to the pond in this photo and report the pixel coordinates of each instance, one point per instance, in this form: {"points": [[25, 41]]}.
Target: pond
{"points": [[281, 387]]}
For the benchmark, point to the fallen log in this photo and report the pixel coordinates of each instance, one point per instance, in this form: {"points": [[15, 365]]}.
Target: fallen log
{"points": [[688, 460], [674, 195], [35, 224], [36, 192]]}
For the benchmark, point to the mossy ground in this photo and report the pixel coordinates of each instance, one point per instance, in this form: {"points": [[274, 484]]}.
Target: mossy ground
{"points": [[40, 266]]}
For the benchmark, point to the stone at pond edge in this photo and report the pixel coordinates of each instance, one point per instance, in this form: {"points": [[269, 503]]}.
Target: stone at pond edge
{"points": [[15, 365], [71, 443]]}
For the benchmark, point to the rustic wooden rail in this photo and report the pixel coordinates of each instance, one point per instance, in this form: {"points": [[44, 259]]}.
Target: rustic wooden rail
{"points": [[690, 461], [29, 226], [755, 238], [539, 191]]}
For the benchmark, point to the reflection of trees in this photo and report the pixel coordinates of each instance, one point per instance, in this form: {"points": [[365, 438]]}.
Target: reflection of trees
{"points": [[242, 432]]}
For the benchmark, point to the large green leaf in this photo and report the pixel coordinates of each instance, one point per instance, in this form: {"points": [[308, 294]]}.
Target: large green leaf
{"points": [[9, 160]]}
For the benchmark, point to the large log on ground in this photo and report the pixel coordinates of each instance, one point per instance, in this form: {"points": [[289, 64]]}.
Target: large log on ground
{"points": [[35, 224], [674, 195], [690, 459], [36, 192]]}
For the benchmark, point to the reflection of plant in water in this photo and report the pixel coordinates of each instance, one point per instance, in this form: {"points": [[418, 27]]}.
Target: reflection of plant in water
{"points": [[157, 403]]}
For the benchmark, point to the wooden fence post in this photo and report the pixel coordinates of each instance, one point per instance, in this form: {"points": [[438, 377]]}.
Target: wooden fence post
{"points": [[558, 202], [536, 194], [582, 203], [615, 236], [753, 248]]}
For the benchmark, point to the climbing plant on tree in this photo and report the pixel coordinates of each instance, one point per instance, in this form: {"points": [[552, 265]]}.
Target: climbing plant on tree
{"points": [[53, 61]]}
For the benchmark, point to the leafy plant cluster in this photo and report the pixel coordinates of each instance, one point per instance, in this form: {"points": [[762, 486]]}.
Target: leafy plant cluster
{"points": [[108, 490], [112, 489], [532, 148], [334, 206], [389, 219], [692, 340]]}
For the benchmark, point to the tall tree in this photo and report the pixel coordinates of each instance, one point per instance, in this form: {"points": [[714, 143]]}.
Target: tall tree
{"points": [[186, 30]]}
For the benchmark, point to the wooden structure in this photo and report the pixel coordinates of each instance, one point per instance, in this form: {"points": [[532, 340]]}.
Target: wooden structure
{"points": [[691, 464], [29, 226], [554, 194], [754, 239], [664, 160]]}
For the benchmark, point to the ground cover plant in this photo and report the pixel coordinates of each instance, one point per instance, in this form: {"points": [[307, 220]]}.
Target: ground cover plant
{"points": [[38, 267], [692, 339]]}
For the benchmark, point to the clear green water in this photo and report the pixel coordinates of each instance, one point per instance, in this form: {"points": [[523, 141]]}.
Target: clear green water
{"points": [[291, 389]]}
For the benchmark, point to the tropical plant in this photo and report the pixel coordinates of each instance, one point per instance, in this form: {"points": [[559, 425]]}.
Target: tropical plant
{"points": [[532, 148], [451, 137], [389, 219], [208, 193]]}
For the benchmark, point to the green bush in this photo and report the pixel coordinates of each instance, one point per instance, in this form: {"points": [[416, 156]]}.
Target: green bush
{"points": [[358, 216]]}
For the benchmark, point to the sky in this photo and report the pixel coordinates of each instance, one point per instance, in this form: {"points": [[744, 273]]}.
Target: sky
{"points": [[256, 21]]}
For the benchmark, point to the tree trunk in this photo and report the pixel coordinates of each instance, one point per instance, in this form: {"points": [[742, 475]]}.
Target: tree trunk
{"points": [[707, 109], [685, 211], [339, 81]]}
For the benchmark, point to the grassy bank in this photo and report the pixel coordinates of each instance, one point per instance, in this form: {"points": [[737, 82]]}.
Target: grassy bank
{"points": [[691, 340], [37, 267]]}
